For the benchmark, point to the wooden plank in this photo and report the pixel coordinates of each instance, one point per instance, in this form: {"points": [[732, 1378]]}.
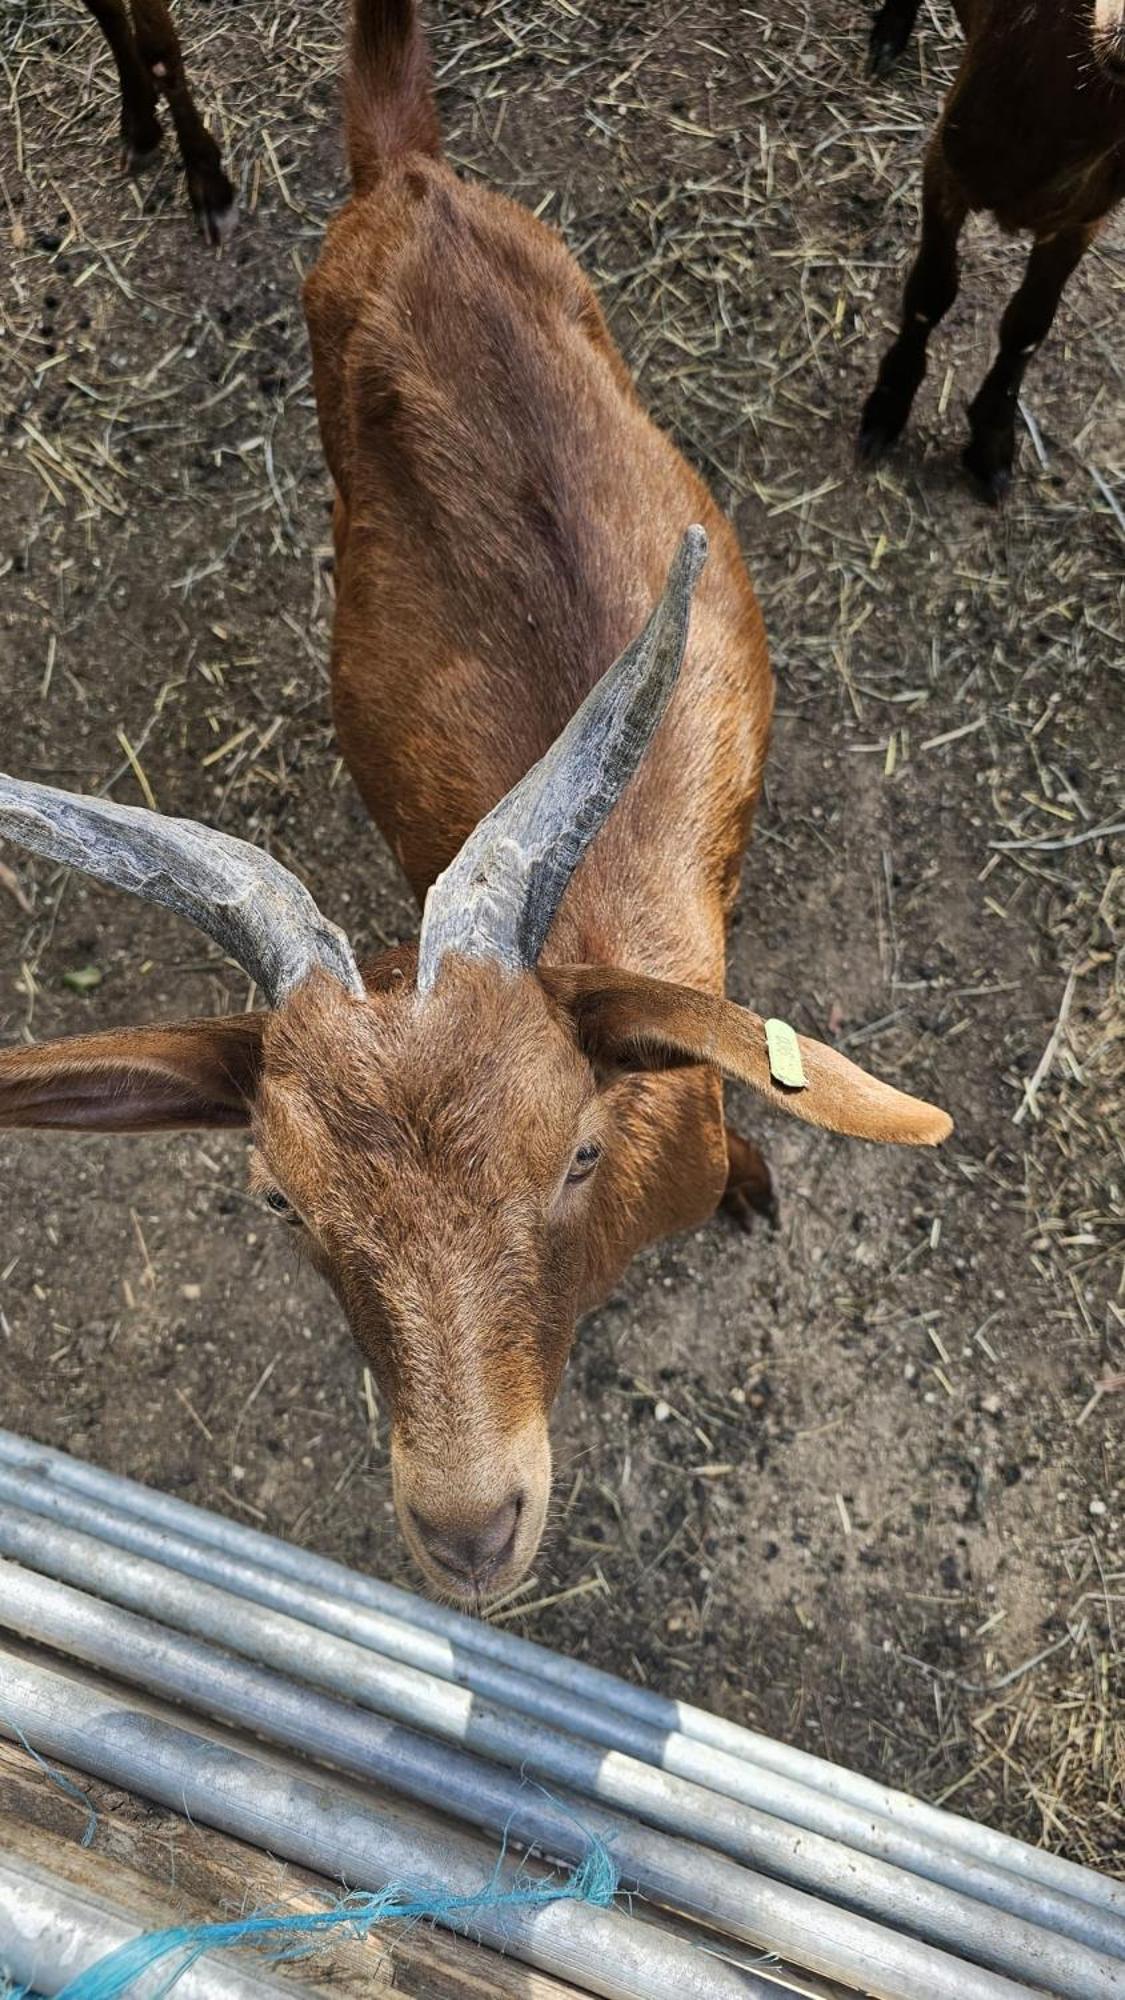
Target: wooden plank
{"points": [[164, 1870]]}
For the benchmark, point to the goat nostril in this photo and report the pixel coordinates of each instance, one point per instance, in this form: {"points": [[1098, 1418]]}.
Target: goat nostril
{"points": [[493, 1538], [472, 1552]]}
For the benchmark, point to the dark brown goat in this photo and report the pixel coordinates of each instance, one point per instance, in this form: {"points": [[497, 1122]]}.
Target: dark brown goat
{"points": [[1033, 130], [150, 67], [478, 1132]]}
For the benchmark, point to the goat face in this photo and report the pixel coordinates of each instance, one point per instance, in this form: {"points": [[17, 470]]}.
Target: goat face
{"points": [[438, 1140], [436, 1125], [441, 1153], [467, 1164]]}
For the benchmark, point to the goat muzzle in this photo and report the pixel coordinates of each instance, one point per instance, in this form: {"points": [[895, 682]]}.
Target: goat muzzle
{"points": [[473, 1519], [475, 1552]]}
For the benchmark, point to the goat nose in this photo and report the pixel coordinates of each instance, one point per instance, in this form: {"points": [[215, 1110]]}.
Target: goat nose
{"points": [[475, 1550]]}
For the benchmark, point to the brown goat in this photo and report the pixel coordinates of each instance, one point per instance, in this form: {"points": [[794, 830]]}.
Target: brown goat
{"points": [[146, 50], [1033, 130], [478, 1132]]}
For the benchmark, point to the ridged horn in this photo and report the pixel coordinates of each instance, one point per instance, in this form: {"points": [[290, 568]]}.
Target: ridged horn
{"points": [[247, 902]]}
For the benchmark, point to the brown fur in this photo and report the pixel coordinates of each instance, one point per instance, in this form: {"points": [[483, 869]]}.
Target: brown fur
{"points": [[1033, 130], [1034, 126], [505, 518]]}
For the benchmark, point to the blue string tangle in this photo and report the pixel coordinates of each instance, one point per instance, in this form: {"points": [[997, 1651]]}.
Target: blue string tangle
{"points": [[285, 1935], [57, 1778]]}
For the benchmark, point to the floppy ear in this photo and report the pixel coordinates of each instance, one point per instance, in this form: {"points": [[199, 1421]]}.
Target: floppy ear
{"points": [[626, 1020], [187, 1075]]}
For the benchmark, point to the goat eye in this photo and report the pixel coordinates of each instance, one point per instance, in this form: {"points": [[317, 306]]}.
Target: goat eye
{"points": [[582, 1165], [280, 1205]]}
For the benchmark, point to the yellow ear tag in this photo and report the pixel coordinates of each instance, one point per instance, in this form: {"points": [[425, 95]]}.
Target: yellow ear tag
{"points": [[784, 1052]]}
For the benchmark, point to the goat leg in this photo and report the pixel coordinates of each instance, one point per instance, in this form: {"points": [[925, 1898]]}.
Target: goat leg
{"points": [[890, 32], [930, 291], [211, 194], [750, 1188], [140, 126], [990, 453]]}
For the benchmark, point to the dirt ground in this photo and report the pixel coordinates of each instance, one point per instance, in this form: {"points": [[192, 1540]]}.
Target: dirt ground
{"points": [[861, 1483]]}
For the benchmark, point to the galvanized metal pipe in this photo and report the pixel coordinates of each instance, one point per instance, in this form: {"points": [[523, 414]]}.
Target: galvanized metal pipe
{"points": [[697, 1882], [586, 1690], [50, 1932], [602, 1951], [457, 1717], [809, 1861]]}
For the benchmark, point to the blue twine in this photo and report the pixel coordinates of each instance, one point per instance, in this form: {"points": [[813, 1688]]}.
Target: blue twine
{"points": [[56, 1778], [594, 1881]]}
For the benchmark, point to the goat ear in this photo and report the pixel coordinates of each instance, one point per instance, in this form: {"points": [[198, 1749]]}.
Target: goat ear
{"points": [[183, 1077], [627, 1021]]}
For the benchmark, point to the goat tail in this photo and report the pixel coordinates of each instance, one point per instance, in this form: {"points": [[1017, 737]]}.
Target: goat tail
{"points": [[388, 100]]}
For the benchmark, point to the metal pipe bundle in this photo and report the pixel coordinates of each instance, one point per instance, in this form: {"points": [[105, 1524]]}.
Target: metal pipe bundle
{"points": [[807, 1860], [323, 1828], [632, 1779], [688, 1741], [699, 1884], [690, 1822]]}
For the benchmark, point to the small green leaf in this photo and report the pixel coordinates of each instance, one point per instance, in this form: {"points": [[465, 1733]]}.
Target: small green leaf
{"points": [[784, 1052], [83, 979]]}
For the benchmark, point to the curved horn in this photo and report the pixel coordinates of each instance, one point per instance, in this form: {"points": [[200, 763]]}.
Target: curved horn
{"points": [[244, 899], [498, 897]]}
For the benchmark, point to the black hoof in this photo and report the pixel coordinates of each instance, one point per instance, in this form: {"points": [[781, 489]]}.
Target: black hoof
{"points": [[882, 422], [873, 444], [746, 1211], [991, 478], [140, 149], [876, 436], [213, 201], [884, 51], [750, 1201]]}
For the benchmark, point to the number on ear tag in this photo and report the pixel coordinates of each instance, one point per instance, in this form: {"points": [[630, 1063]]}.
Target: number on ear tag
{"points": [[784, 1052]]}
